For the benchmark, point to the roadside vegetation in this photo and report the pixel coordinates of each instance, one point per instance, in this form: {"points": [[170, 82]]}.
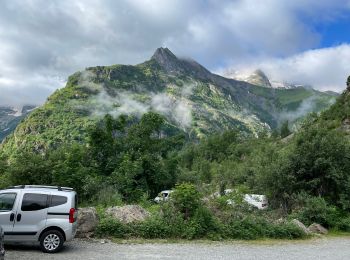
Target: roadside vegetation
{"points": [[129, 160]]}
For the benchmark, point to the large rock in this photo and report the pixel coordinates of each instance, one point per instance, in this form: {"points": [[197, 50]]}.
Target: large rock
{"points": [[128, 213], [318, 229], [301, 226], [87, 222]]}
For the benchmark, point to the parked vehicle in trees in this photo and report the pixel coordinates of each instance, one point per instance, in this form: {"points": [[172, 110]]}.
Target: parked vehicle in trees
{"points": [[163, 196]]}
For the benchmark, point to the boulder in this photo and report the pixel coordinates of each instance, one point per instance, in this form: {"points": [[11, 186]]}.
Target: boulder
{"points": [[87, 222], [345, 126], [301, 226], [317, 229], [128, 213]]}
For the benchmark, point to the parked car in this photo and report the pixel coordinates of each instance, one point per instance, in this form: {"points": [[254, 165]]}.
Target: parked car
{"points": [[255, 200], [2, 250], [44, 214], [163, 196]]}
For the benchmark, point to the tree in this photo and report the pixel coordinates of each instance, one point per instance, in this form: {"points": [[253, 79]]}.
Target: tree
{"points": [[348, 83], [315, 163], [72, 166], [133, 154], [29, 168], [186, 199], [285, 129]]}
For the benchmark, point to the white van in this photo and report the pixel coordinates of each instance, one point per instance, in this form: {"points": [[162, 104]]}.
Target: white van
{"points": [[44, 214], [255, 200], [163, 196]]}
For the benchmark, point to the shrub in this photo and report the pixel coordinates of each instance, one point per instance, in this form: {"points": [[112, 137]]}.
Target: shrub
{"points": [[244, 229], [254, 228], [107, 196], [153, 227], [112, 227], [186, 199], [344, 224], [316, 209], [285, 230], [207, 223]]}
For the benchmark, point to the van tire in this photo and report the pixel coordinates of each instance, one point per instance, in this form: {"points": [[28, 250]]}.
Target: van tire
{"points": [[51, 241]]}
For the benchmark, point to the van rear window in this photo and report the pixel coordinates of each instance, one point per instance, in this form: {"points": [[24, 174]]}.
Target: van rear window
{"points": [[57, 200], [76, 201], [34, 201]]}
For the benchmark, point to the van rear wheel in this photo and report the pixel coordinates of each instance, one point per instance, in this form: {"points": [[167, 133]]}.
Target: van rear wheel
{"points": [[51, 241]]}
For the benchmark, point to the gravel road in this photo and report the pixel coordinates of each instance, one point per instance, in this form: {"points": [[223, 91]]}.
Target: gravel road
{"points": [[321, 248]]}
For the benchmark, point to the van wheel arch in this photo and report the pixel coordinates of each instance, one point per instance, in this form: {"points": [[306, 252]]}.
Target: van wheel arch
{"points": [[53, 228]]}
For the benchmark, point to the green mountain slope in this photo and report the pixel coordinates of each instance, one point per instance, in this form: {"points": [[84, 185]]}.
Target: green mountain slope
{"points": [[192, 99]]}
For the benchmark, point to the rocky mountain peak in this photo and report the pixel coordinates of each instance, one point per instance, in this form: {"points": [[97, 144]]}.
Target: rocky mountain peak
{"points": [[256, 77], [163, 54], [166, 59], [259, 78]]}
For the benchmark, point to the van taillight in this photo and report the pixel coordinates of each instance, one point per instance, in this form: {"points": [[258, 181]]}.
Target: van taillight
{"points": [[71, 215]]}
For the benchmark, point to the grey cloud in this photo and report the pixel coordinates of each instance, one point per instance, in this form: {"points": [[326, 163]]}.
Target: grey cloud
{"points": [[41, 41]]}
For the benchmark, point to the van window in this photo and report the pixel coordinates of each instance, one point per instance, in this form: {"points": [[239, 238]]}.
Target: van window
{"points": [[58, 200], [34, 201], [7, 200], [76, 201]]}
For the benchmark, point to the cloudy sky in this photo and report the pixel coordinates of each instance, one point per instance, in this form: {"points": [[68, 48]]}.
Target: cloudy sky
{"points": [[42, 42]]}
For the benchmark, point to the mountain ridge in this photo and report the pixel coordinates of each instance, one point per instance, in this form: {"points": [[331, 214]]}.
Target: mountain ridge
{"points": [[192, 99]]}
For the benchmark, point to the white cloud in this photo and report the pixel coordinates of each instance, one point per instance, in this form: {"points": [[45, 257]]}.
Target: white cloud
{"points": [[41, 41], [324, 69]]}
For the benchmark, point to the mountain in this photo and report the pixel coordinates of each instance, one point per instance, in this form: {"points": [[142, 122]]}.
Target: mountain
{"points": [[192, 99], [259, 78], [338, 115], [256, 77], [10, 118]]}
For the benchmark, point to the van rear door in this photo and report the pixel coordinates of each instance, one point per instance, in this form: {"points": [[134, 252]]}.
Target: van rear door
{"points": [[31, 215]]}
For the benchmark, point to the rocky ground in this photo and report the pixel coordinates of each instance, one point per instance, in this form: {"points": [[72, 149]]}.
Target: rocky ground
{"points": [[334, 248]]}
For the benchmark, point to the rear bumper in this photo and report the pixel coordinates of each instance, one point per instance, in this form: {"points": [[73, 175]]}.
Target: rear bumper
{"points": [[70, 232]]}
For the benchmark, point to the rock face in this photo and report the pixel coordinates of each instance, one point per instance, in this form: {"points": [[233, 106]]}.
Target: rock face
{"points": [[87, 222], [259, 78], [301, 226], [128, 213], [345, 126], [10, 117], [318, 229]]}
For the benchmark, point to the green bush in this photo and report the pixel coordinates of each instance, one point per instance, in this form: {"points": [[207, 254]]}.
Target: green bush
{"points": [[107, 195], [205, 222], [153, 227], [186, 199], [112, 227], [255, 228], [316, 210], [343, 224], [285, 231]]}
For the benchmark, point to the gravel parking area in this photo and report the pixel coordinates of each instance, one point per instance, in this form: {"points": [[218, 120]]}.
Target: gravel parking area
{"points": [[321, 248]]}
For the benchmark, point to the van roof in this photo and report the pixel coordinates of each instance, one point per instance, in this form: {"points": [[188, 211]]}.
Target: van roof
{"points": [[40, 187]]}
